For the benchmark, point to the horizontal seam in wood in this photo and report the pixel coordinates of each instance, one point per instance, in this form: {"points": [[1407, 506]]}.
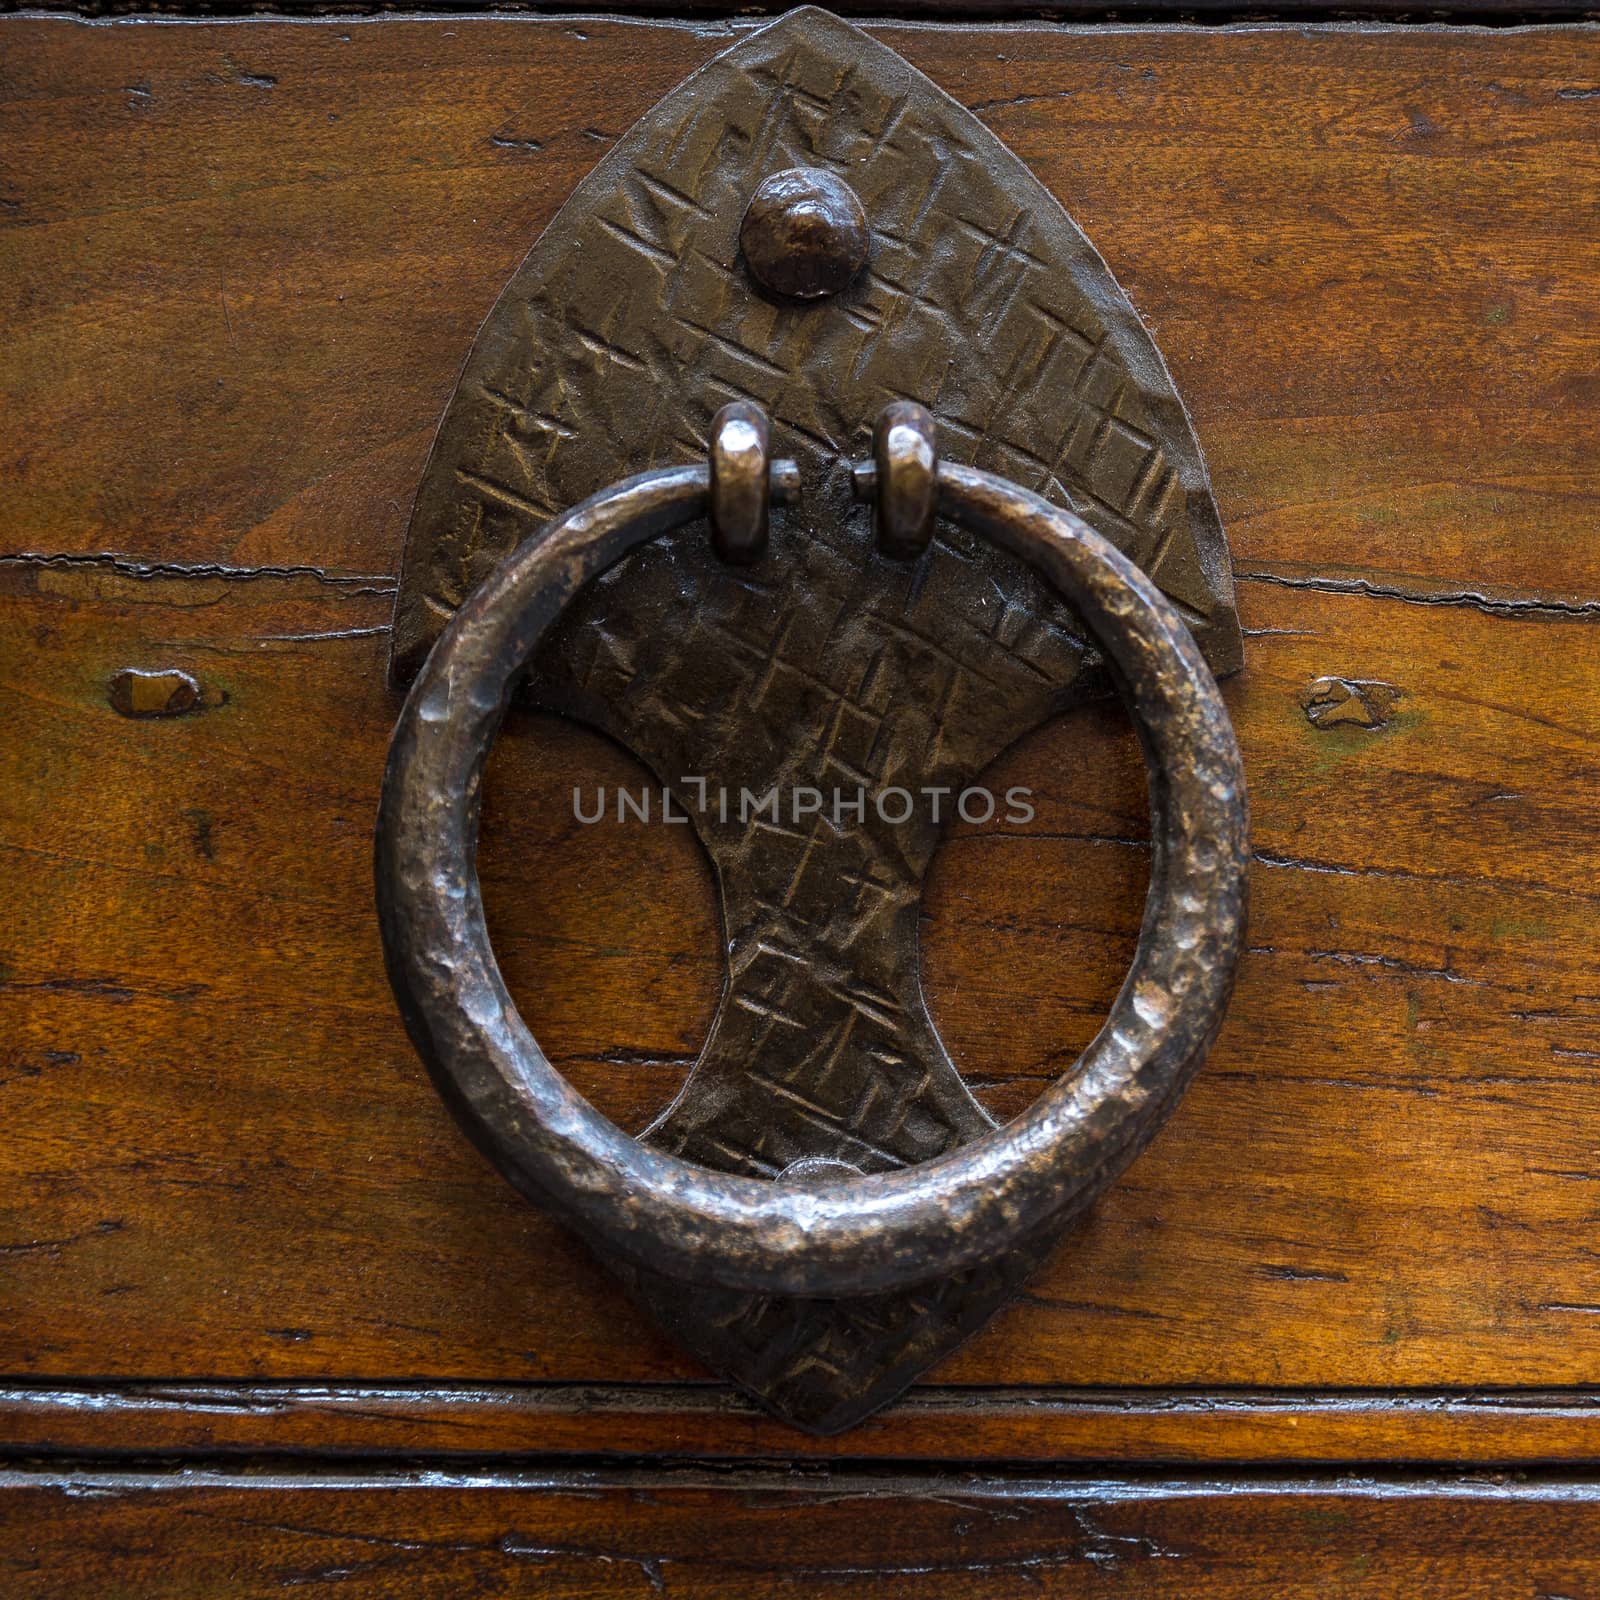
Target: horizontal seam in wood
{"points": [[709, 14], [20, 1388], [89, 1476]]}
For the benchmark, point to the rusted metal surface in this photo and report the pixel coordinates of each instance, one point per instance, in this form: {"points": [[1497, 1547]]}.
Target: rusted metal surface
{"points": [[740, 469], [827, 665], [901, 480], [633, 321], [910, 1256], [804, 234]]}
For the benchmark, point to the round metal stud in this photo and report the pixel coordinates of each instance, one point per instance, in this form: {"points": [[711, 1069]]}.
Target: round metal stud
{"points": [[804, 235]]}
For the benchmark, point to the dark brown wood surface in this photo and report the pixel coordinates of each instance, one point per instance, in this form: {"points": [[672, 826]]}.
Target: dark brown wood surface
{"points": [[1499, 12], [1049, 1426], [240, 265], [753, 1534]]}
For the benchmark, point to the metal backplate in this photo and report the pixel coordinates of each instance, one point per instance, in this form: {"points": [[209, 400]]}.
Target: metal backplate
{"points": [[826, 665]]}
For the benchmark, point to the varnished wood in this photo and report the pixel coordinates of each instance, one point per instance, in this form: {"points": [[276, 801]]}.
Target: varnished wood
{"points": [[239, 266], [1500, 12], [756, 1534], [1050, 1426]]}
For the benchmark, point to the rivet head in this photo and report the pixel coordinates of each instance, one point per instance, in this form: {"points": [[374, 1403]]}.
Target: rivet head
{"points": [[804, 235]]}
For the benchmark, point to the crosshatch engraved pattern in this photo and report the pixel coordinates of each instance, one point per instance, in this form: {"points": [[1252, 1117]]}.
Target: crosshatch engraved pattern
{"points": [[825, 666]]}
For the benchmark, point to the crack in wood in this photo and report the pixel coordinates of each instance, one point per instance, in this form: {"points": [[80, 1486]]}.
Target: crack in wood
{"points": [[1475, 599]]}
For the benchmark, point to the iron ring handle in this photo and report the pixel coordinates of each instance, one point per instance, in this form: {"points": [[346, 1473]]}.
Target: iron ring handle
{"points": [[866, 1234]]}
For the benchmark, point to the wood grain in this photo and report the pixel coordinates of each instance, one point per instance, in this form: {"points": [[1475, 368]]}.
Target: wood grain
{"points": [[239, 266], [753, 1534], [1050, 1426], [1501, 12]]}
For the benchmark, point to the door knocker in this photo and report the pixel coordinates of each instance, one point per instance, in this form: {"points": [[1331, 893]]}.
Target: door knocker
{"points": [[806, 255]]}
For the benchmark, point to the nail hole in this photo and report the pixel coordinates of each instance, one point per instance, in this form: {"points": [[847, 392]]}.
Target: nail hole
{"points": [[166, 692]]}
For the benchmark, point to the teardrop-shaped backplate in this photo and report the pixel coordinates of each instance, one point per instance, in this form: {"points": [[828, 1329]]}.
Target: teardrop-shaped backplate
{"points": [[827, 666]]}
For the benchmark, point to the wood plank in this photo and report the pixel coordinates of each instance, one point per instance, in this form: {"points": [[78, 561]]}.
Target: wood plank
{"points": [[1051, 1426], [1263, 193], [751, 1534], [1501, 12], [243, 264], [1411, 1202]]}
